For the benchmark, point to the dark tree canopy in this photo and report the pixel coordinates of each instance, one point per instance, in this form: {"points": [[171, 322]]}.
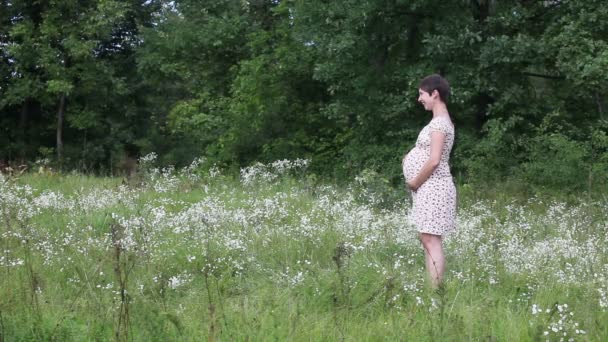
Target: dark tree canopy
{"points": [[90, 83]]}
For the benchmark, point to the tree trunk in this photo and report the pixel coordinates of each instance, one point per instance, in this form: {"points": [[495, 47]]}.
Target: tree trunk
{"points": [[22, 128], [600, 105], [482, 102], [60, 117], [481, 10]]}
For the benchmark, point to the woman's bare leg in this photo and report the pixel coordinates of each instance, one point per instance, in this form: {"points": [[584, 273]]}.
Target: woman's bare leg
{"points": [[435, 260]]}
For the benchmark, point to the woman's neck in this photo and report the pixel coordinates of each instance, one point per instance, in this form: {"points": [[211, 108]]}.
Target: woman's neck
{"points": [[440, 110]]}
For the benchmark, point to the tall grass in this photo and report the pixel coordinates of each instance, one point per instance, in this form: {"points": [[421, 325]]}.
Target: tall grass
{"points": [[192, 255]]}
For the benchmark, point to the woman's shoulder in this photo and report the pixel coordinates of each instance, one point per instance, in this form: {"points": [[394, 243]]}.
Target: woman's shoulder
{"points": [[442, 119], [442, 123]]}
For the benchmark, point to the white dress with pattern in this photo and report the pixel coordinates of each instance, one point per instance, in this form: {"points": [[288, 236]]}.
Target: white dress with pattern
{"points": [[434, 203]]}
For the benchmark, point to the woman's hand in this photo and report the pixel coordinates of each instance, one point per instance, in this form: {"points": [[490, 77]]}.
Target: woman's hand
{"points": [[412, 185]]}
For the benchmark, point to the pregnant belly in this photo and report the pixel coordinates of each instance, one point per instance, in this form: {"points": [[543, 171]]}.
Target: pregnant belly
{"points": [[412, 163]]}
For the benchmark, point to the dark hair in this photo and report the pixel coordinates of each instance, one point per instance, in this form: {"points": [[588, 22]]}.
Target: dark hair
{"points": [[436, 82]]}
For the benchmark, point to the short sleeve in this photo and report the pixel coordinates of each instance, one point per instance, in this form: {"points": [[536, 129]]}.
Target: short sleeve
{"points": [[441, 126]]}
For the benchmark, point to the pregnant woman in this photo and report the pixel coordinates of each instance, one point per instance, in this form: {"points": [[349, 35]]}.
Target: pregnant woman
{"points": [[427, 174]]}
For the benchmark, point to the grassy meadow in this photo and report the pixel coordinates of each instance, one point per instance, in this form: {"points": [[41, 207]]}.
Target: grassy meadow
{"points": [[187, 255]]}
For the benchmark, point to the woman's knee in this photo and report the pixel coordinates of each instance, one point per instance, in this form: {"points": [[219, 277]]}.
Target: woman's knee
{"points": [[430, 240]]}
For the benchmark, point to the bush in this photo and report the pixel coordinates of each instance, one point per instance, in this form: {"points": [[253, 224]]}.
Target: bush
{"points": [[557, 162], [493, 157]]}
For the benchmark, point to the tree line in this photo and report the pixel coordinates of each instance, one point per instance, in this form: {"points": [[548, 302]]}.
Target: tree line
{"points": [[87, 84]]}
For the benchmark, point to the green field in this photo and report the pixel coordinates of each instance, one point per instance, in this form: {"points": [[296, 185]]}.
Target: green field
{"points": [[276, 255]]}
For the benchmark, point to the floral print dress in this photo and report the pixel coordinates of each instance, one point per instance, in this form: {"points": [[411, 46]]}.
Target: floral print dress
{"points": [[434, 203]]}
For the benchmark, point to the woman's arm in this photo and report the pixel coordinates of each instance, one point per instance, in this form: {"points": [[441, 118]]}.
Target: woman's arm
{"points": [[437, 141]]}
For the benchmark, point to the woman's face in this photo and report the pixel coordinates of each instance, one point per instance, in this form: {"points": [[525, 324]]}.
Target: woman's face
{"points": [[426, 99]]}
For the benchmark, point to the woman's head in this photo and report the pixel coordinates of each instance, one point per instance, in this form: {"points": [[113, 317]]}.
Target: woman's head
{"points": [[433, 88]]}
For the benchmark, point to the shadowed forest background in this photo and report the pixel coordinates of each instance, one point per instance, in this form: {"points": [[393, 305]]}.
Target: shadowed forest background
{"points": [[89, 85]]}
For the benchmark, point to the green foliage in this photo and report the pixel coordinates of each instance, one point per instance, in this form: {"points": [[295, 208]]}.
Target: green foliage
{"points": [[336, 82], [598, 156], [493, 157], [555, 161], [274, 113], [71, 58]]}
